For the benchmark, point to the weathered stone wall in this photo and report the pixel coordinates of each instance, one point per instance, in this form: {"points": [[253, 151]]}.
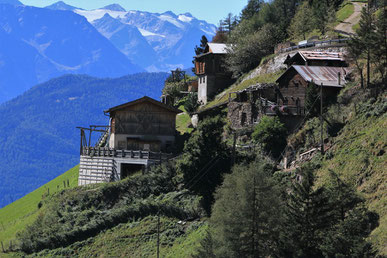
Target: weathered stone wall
{"points": [[240, 114]]}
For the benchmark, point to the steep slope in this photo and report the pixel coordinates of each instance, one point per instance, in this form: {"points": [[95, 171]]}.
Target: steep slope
{"points": [[358, 155], [39, 139], [39, 44], [128, 40], [24, 211]]}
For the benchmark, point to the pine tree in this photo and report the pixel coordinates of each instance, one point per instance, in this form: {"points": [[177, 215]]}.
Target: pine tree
{"points": [[365, 35], [309, 215], [203, 43], [324, 13], [247, 213], [253, 7], [302, 22], [379, 44], [229, 23]]}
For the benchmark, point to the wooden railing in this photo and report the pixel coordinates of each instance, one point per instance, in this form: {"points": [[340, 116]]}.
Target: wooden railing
{"points": [[130, 154]]}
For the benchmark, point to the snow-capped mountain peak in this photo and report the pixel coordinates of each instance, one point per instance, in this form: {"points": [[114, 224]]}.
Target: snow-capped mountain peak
{"points": [[158, 40], [114, 7], [61, 6]]}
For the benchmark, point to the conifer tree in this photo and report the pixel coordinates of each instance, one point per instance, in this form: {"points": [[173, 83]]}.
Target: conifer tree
{"points": [[201, 48], [253, 7], [247, 213], [229, 23], [309, 214], [302, 22], [379, 45]]}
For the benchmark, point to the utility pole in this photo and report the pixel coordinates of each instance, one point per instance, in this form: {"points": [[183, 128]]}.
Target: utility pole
{"points": [[321, 119], [158, 235], [234, 148]]}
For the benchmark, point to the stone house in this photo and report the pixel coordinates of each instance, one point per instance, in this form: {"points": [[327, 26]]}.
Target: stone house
{"points": [[210, 70], [245, 107]]}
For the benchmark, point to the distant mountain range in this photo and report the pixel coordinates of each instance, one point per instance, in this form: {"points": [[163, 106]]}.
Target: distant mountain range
{"points": [[37, 44], [171, 37], [39, 139]]}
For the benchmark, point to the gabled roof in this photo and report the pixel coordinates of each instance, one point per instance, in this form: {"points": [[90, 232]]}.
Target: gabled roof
{"points": [[312, 55], [215, 48], [326, 75], [141, 100]]}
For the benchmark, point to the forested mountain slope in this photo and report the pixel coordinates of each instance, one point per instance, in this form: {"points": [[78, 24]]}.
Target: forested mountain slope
{"points": [[39, 138]]}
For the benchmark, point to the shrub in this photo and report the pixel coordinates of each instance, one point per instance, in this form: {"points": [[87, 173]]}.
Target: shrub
{"points": [[191, 103], [271, 134]]}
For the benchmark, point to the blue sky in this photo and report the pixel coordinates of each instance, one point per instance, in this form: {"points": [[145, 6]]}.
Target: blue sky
{"points": [[210, 10]]}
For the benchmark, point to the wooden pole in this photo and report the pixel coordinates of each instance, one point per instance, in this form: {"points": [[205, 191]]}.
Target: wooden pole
{"points": [[321, 119], [158, 235], [80, 149], [90, 136]]}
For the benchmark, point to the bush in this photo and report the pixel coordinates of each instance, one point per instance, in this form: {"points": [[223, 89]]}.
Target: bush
{"points": [[271, 134], [80, 213], [191, 103], [204, 159]]}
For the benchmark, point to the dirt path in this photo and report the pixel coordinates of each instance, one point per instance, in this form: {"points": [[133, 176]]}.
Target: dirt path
{"points": [[346, 26]]}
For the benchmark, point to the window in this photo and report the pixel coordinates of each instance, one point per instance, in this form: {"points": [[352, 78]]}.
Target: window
{"points": [[243, 118]]}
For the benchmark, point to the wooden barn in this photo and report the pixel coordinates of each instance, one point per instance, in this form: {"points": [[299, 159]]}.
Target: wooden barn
{"points": [[143, 124], [312, 58], [293, 83], [210, 70], [140, 133]]}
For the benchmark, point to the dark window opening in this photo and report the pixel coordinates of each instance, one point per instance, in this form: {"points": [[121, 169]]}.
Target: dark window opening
{"points": [[128, 170], [243, 119]]}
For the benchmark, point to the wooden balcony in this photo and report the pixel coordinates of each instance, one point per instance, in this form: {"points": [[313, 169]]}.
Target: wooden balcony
{"points": [[125, 154]]}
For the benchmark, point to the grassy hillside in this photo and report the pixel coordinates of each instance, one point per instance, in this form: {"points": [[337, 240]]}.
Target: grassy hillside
{"points": [[344, 12], [183, 120], [24, 211], [358, 155], [139, 239]]}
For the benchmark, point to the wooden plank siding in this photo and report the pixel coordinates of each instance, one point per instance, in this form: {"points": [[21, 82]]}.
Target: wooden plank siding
{"points": [[145, 119], [293, 90]]}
